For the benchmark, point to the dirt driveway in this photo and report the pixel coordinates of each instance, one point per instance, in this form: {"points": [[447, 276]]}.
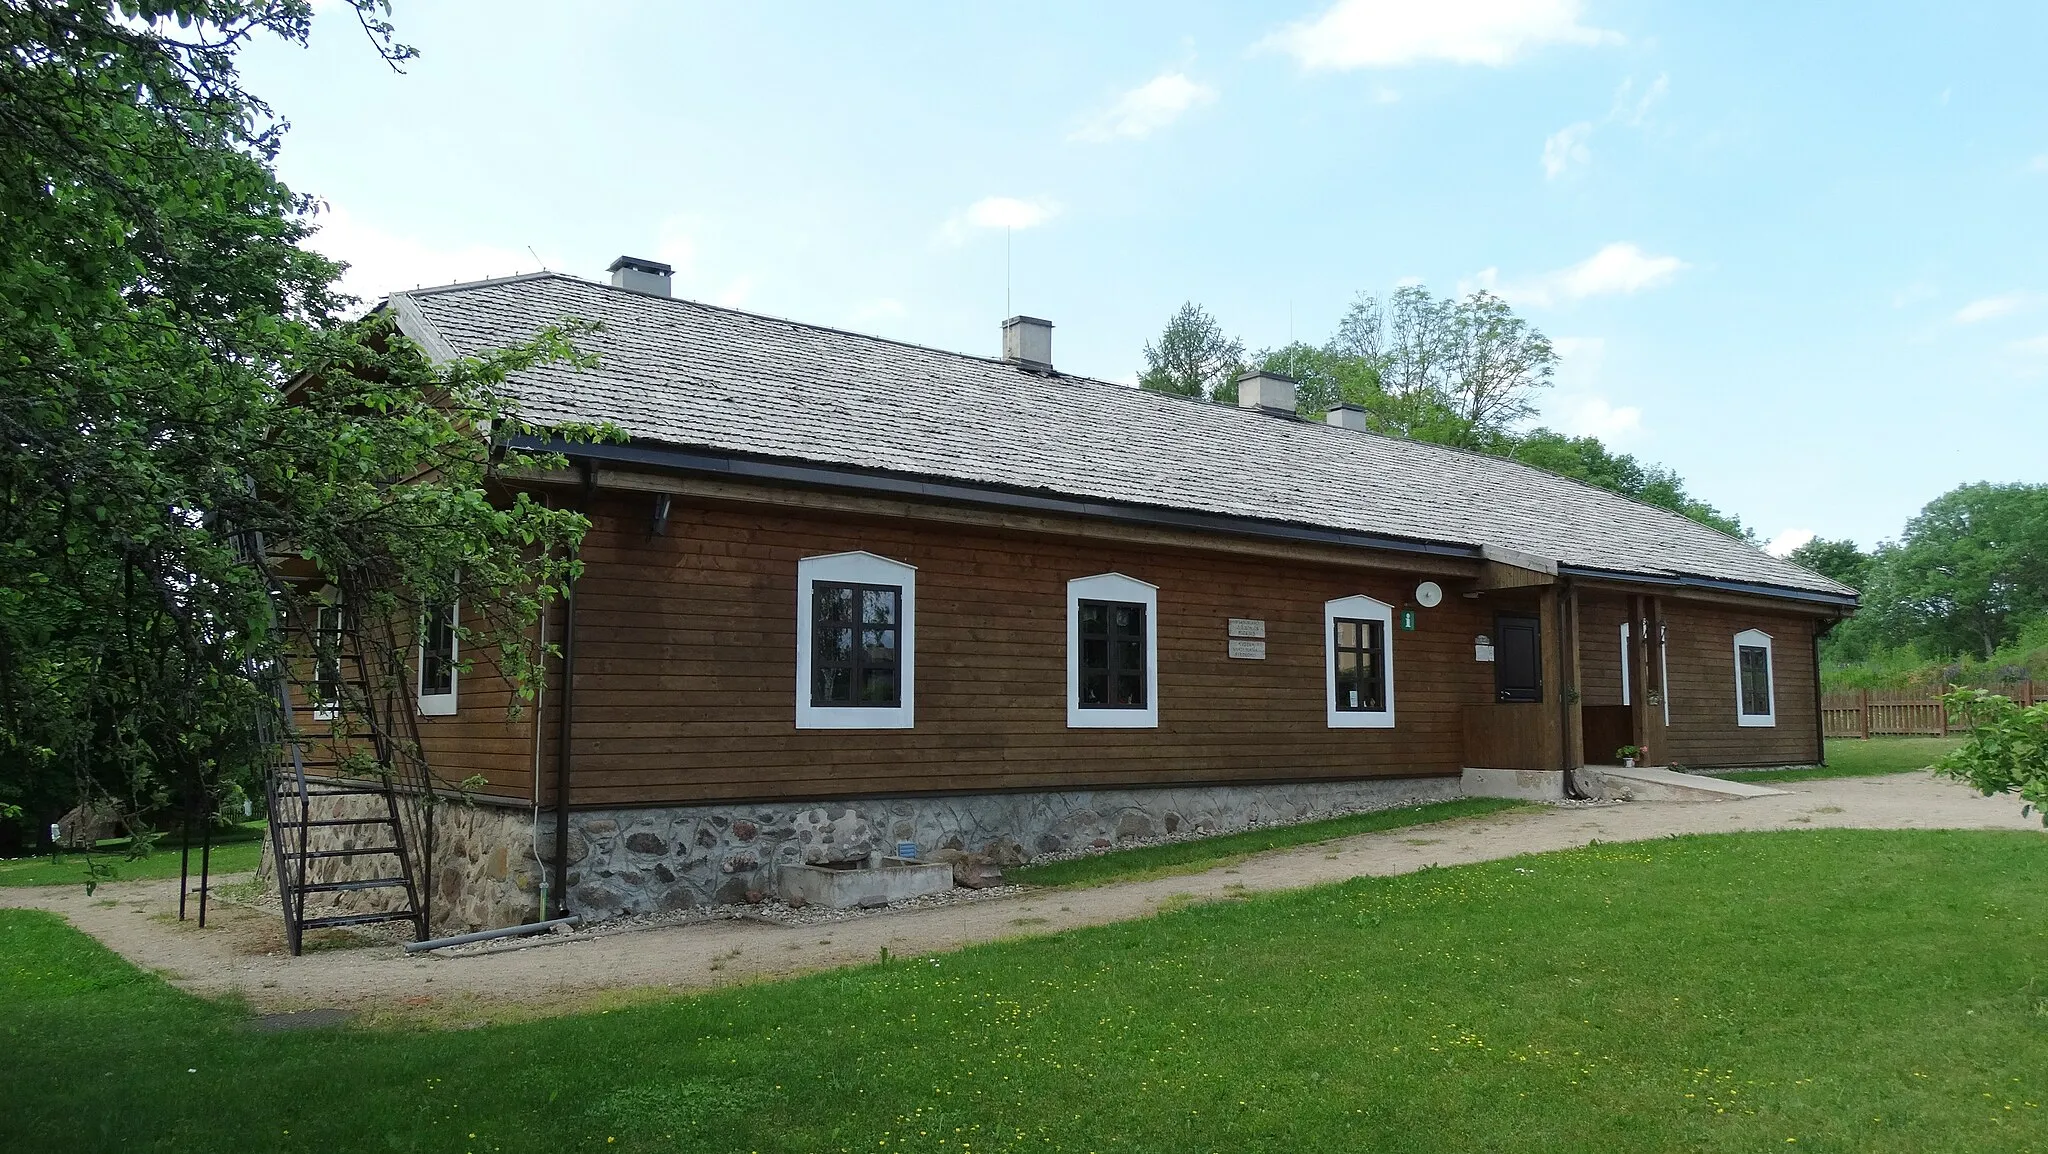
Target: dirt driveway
{"points": [[241, 952]]}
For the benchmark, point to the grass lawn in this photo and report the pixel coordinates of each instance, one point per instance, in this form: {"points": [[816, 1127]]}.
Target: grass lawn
{"points": [[1851, 757], [235, 850], [1206, 853], [1837, 990]]}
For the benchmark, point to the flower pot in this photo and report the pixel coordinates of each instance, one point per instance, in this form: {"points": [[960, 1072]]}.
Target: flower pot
{"points": [[1628, 763]]}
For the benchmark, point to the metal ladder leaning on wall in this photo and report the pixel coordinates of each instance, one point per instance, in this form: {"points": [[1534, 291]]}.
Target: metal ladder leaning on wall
{"points": [[371, 751]]}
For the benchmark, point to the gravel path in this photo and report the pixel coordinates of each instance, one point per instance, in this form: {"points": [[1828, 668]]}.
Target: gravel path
{"points": [[241, 952]]}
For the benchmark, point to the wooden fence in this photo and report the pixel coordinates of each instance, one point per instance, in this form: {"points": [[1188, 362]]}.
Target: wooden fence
{"points": [[1901, 713]]}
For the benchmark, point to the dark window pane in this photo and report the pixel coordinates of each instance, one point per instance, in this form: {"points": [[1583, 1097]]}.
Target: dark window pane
{"points": [[1361, 665], [1130, 690], [878, 646], [1755, 669], [1347, 634], [437, 654], [854, 658], [1112, 654], [835, 646], [832, 686], [1095, 688], [878, 687], [878, 606], [834, 602]]}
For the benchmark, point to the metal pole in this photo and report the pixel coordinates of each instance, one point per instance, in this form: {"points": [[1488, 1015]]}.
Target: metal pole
{"points": [[184, 859], [205, 863]]}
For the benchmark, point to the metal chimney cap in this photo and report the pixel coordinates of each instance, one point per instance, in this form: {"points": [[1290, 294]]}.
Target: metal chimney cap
{"points": [[640, 264]]}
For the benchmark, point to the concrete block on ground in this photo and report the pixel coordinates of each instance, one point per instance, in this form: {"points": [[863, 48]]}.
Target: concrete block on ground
{"points": [[1517, 784], [1647, 783], [895, 880]]}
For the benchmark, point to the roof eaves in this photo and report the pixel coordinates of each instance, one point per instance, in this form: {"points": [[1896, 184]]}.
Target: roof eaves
{"points": [[667, 457]]}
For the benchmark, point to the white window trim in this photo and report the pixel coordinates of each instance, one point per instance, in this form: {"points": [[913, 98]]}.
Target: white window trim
{"points": [[1360, 608], [1755, 639], [1112, 587], [857, 568], [441, 704], [1625, 663], [325, 710]]}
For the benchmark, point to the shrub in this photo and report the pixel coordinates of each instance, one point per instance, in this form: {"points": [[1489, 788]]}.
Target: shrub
{"points": [[2007, 751]]}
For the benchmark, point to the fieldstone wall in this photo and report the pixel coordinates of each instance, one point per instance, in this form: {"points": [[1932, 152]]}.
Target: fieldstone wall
{"points": [[655, 860], [484, 874]]}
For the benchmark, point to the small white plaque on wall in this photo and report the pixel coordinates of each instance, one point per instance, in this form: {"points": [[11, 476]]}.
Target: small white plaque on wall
{"points": [[1247, 650], [1247, 627], [1482, 648]]}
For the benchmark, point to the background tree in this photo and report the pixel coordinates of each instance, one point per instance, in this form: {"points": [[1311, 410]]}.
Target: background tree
{"points": [[1840, 560], [1194, 358], [173, 374], [1970, 571]]}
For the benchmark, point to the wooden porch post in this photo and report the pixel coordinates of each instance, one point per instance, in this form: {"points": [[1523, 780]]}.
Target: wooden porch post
{"points": [[1639, 678], [1568, 649], [1654, 734]]}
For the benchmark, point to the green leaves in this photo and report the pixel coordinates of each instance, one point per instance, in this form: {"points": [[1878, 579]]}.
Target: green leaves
{"points": [[174, 371], [2007, 751]]}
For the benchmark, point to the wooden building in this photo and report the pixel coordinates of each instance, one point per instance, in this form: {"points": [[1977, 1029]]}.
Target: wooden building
{"points": [[841, 592]]}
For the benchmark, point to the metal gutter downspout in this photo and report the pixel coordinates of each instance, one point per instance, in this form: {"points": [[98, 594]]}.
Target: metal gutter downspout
{"points": [[563, 724], [1820, 717], [1568, 614]]}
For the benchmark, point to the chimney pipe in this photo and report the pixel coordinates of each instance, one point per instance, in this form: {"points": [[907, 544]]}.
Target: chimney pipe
{"points": [[1267, 392], [1348, 416], [1027, 343], [641, 275]]}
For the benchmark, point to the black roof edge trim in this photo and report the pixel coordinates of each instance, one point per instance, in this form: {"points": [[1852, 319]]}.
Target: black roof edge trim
{"points": [[899, 485], [1715, 584]]}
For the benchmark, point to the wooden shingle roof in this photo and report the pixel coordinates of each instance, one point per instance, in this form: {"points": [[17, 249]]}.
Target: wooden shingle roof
{"points": [[679, 373]]}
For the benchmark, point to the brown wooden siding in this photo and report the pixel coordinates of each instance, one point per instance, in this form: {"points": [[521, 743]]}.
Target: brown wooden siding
{"points": [[686, 670], [1600, 618], [686, 666], [1703, 733]]}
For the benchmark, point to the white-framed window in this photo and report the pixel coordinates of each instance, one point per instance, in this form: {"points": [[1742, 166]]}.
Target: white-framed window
{"points": [[1358, 663], [1625, 663], [327, 662], [1756, 690], [439, 643], [1112, 653], [856, 642], [1663, 669]]}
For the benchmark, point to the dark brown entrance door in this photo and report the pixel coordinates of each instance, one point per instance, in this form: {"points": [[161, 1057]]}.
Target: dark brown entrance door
{"points": [[1518, 658]]}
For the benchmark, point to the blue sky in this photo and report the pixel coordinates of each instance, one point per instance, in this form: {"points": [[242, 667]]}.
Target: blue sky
{"points": [[1797, 253]]}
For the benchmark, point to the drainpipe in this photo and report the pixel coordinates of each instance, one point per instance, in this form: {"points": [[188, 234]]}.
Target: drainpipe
{"points": [[1567, 654], [1820, 721], [562, 725]]}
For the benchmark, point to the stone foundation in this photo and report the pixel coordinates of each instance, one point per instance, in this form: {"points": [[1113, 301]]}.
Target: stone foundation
{"points": [[484, 874], [663, 859], [655, 860]]}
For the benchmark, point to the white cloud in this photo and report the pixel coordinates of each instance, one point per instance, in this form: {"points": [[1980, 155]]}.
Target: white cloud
{"points": [[1785, 542], [383, 262], [1390, 33], [1633, 110], [1594, 416], [1991, 308], [1620, 269], [1006, 212], [1565, 148], [1146, 109]]}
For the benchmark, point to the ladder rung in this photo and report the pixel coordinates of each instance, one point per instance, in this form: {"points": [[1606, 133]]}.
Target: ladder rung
{"points": [[345, 887], [288, 823], [355, 919], [344, 791], [309, 855]]}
